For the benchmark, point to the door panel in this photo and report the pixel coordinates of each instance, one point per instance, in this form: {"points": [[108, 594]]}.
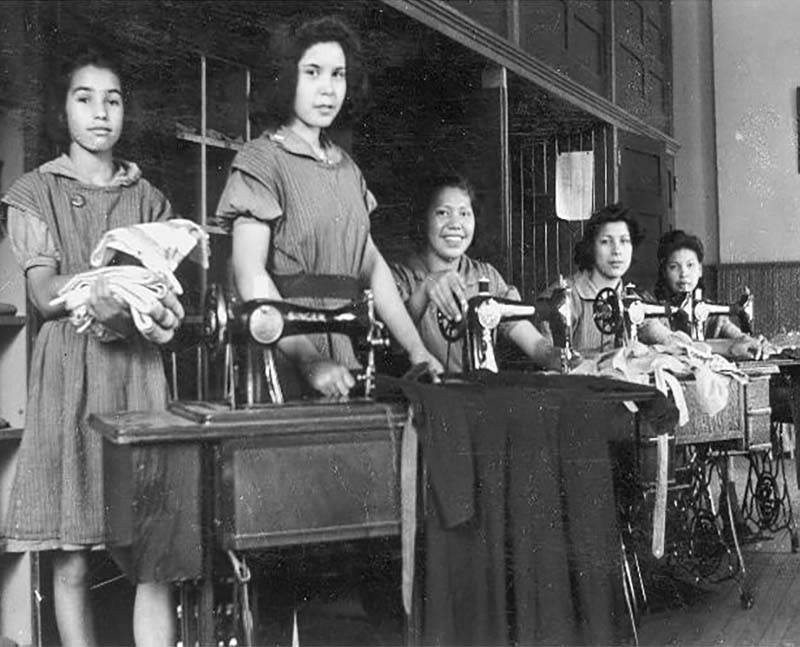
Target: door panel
{"points": [[645, 185]]}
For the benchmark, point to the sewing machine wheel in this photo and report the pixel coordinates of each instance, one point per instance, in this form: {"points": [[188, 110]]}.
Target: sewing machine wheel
{"points": [[215, 318], [451, 330], [606, 311]]}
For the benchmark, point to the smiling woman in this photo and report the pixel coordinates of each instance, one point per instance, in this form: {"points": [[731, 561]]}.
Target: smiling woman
{"points": [[440, 277]]}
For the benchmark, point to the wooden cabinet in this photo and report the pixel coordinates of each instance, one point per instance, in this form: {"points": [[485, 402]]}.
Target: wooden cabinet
{"points": [[572, 37], [642, 52]]}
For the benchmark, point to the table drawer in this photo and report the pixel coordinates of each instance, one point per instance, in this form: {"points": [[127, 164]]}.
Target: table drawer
{"points": [[744, 422], [727, 425], [309, 488]]}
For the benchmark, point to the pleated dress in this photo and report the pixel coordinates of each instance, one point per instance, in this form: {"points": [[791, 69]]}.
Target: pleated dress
{"points": [[55, 220]]}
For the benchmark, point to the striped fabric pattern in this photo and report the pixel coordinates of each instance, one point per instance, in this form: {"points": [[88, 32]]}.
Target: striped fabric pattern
{"points": [[319, 211], [57, 495]]}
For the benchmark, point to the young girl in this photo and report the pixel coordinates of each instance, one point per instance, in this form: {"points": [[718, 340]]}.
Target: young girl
{"points": [[680, 271], [603, 256], [56, 215], [441, 277], [299, 207]]}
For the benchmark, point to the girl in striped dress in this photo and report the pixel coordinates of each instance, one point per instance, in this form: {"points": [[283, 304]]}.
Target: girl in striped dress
{"points": [[299, 207], [55, 215]]}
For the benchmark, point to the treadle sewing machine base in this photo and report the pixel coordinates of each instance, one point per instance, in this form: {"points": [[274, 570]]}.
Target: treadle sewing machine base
{"points": [[705, 523], [310, 472]]}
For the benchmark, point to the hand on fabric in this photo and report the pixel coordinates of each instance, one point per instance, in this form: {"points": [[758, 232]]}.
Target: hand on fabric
{"points": [[108, 312], [750, 348], [166, 316], [422, 356], [554, 359], [104, 306], [171, 313], [328, 377], [447, 292]]}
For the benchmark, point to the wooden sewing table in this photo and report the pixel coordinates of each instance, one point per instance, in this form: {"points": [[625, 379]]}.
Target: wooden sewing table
{"points": [[177, 487], [707, 518]]}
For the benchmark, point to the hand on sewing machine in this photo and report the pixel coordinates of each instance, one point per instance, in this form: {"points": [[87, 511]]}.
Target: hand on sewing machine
{"points": [[554, 362], [447, 292], [328, 377]]}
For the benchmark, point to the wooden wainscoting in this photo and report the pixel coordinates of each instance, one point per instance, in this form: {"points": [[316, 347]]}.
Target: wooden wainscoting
{"points": [[776, 287]]}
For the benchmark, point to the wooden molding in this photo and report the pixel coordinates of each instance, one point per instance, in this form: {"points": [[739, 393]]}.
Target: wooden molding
{"points": [[443, 18]]}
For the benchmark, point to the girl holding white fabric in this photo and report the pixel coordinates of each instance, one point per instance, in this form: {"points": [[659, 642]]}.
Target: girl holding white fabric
{"points": [[56, 214]]}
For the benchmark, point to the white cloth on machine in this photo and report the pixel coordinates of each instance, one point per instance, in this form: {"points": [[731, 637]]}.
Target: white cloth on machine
{"points": [[159, 247], [664, 364]]}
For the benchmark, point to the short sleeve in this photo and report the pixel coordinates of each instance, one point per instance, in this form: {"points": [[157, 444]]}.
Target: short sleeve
{"points": [[244, 195], [369, 200], [31, 241], [404, 279], [161, 209]]}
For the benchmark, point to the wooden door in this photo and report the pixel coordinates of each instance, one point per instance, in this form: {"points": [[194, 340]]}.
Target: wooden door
{"points": [[646, 185]]}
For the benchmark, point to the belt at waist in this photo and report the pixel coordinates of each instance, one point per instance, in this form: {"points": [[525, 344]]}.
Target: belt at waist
{"points": [[320, 286]]}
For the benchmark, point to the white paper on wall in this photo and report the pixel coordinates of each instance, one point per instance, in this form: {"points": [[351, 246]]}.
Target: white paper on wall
{"points": [[574, 185]]}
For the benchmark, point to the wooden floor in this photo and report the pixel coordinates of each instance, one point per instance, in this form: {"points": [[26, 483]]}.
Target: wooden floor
{"points": [[716, 616]]}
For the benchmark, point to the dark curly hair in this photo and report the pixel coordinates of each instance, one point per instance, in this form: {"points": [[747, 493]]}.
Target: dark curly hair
{"points": [[671, 242], [428, 189], [584, 248], [56, 116], [274, 107]]}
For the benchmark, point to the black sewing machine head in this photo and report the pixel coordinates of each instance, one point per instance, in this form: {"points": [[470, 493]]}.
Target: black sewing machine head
{"points": [[263, 322], [622, 314], [557, 311], [698, 311], [484, 314]]}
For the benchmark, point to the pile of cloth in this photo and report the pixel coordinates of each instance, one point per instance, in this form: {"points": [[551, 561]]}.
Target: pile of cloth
{"points": [[663, 365], [158, 248]]}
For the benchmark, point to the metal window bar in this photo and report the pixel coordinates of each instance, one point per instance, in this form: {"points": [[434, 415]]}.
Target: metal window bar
{"points": [[542, 248]]}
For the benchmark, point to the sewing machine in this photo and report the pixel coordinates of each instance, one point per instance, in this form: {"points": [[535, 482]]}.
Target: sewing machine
{"points": [[699, 310], [623, 314], [557, 311], [484, 314], [263, 322]]}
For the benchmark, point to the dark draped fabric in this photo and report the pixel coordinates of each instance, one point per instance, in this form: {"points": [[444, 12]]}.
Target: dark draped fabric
{"points": [[521, 536], [784, 394]]}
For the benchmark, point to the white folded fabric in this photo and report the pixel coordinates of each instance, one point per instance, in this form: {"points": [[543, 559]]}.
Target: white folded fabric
{"points": [[159, 247], [137, 287]]}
